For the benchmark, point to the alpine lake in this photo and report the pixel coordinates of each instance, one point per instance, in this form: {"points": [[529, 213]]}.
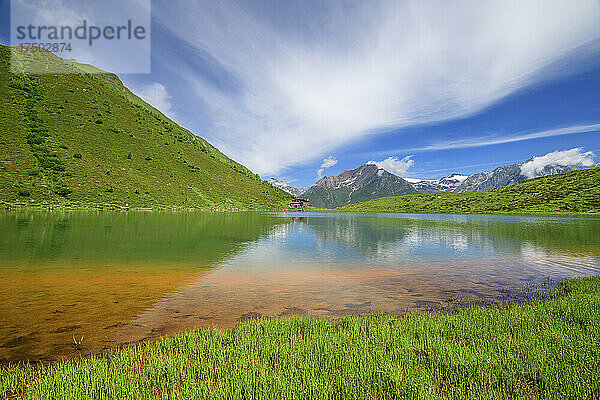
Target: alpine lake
{"points": [[76, 283]]}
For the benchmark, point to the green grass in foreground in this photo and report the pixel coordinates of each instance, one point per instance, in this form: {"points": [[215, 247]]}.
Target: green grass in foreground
{"points": [[570, 193], [546, 349]]}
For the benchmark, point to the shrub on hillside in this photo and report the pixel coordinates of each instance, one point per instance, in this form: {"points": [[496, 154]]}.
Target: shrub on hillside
{"points": [[61, 189]]}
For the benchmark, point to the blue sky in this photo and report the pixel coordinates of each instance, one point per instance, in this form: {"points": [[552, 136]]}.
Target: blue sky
{"points": [[442, 86]]}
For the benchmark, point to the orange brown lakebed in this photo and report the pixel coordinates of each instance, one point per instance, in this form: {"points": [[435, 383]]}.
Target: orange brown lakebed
{"points": [[225, 298], [45, 316]]}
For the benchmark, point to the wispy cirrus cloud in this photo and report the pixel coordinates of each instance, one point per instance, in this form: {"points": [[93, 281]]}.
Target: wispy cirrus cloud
{"points": [[498, 139], [284, 83]]}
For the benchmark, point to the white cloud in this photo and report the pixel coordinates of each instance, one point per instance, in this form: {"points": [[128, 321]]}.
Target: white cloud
{"points": [[327, 163], [156, 95], [395, 166], [318, 75], [565, 158]]}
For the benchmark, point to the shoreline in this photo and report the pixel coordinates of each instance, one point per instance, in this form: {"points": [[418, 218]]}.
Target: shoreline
{"points": [[535, 349], [53, 208]]}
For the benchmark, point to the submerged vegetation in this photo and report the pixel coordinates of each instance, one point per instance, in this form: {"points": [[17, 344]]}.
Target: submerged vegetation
{"points": [[574, 192], [544, 349]]}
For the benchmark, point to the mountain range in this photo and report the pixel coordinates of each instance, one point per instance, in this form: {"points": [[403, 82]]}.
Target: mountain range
{"points": [[446, 184], [369, 182], [509, 175], [294, 191], [571, 192], [363, 183]]}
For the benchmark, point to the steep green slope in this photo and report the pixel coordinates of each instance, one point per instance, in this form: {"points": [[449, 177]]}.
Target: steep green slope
{"points": [[569, 192], [84, 139]]}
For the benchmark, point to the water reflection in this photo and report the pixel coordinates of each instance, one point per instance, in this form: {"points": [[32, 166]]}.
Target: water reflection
{"points": [[333, 265], [67, 274], [450, 235]]}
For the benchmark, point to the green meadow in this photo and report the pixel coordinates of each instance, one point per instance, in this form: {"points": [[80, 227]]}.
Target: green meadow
{"points": [[547, 348], [570, 193]]}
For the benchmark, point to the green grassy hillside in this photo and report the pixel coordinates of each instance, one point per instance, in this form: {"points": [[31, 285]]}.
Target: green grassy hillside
{"points": [[567, 193], [81, 139]]}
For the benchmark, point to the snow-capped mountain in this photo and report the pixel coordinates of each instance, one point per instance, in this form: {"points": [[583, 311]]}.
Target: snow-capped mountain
{"points": [[294, 191], [510, 175], [446, 184], [502, 176], [369, 182], [548, 164], [364, 183]]}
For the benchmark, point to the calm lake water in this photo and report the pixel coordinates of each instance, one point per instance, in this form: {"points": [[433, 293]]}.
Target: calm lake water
{"points": [[120, 278]]}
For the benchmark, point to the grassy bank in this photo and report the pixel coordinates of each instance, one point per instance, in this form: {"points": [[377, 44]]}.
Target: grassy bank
{"points": [[569, 193], [546, 349]]}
